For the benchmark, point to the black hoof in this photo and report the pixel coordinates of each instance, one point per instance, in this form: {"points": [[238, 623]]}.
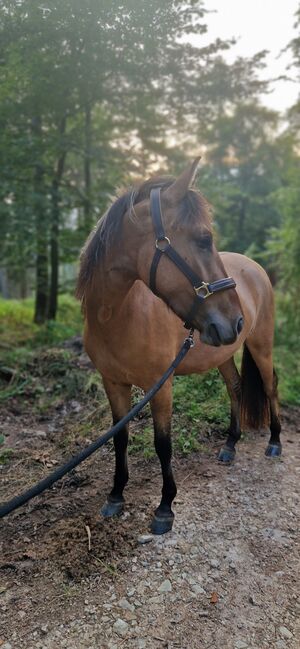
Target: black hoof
{"points": [[226, 455], [162, 524], [112, 508], [273, 450]]}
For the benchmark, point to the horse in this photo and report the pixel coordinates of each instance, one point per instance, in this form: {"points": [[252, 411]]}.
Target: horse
{"points": [[150, 265]]}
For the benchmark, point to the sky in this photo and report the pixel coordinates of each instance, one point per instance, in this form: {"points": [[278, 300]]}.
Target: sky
{"points": [[258, 25]]}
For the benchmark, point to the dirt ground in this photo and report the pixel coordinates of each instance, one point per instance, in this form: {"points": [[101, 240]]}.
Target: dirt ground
{"points": [[226, 577]]}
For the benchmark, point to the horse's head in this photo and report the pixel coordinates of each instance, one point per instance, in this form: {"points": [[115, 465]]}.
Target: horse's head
{"points": [[177, 258]]}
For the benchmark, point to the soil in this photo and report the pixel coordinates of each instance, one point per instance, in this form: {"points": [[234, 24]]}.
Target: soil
{"points": [[226, 577]]}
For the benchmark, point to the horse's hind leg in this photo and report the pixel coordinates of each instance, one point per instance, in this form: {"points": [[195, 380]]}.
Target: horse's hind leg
{"points": [[274, 447], [161, 407], [264, 363], [119, 397], [233, 383]]}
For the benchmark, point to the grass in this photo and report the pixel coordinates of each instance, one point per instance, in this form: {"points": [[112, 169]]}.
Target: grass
{"points": [[17, 329]]}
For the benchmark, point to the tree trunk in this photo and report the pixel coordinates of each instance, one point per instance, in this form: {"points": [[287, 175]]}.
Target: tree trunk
{"points": [[23, 284], [54, 236], [41, 295], [87, 208], [241, 221], [4, 284]]}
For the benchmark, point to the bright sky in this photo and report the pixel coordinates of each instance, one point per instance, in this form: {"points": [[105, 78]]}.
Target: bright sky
{"points": [[259, 25]]}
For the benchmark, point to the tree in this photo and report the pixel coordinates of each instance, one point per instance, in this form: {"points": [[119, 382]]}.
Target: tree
{"points": [[64, 61], [284, 244], [243, 170]]}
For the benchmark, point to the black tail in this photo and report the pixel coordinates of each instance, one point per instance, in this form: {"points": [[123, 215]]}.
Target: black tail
{"points": [[255, 410]]}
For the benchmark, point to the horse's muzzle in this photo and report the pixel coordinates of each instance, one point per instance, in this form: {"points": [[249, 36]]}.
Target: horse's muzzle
{"points": [[218, 332]]}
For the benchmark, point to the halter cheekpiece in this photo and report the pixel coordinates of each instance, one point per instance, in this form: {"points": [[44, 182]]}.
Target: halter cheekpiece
{"points": [[163, 246]]}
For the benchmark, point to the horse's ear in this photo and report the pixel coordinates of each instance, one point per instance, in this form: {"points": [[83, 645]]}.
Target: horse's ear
{"points": [[178, 189]]}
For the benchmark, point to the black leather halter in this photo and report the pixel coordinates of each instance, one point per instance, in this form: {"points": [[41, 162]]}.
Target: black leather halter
{"points": [[163, 247]]}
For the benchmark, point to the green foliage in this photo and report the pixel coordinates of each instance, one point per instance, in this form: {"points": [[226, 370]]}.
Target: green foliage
{"points": [[287, 364], [88, 94], [286, 349], [81, 85], [283, 248], [244, 169]]}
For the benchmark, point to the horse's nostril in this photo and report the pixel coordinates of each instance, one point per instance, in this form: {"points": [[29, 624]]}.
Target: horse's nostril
{"points": [[215, 334], [240, 324]]}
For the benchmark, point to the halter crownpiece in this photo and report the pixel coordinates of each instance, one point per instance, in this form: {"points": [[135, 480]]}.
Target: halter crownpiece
{"points": [[163, 246]]}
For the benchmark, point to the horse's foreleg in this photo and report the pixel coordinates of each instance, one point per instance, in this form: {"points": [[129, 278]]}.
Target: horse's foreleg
{"points": [[119, 397], [161, 407], [233, 383]]}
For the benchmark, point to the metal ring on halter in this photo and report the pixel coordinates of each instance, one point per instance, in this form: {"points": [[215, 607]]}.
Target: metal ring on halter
{"points": [[204, 286], [168, 243]]}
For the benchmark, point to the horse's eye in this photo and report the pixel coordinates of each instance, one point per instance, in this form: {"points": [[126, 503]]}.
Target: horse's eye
{"points": [[205, 242]]}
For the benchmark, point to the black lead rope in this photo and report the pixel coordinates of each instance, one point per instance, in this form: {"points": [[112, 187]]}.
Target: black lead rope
{"points": [[44, 484]]}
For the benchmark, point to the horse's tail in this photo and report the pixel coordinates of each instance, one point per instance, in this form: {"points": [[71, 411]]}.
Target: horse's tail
{"points": [[255, 410]]}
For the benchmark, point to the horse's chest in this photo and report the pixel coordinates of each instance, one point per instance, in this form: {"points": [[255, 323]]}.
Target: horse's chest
{"points": [[123, 361]]}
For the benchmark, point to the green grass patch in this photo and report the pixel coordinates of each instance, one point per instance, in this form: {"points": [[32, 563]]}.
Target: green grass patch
{"points": [[200, 405], [5, 453], [201, 398], [32, 353], [18, 329], [142, 442]]}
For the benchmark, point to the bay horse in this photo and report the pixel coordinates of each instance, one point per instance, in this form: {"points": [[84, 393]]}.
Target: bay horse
{"points": [[133, 333]]}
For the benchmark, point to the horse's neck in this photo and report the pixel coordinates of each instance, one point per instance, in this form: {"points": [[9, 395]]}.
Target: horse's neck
{"points": [[114, 278], [113, 287]]}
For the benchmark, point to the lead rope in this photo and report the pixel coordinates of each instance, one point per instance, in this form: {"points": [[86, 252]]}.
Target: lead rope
{"points": [[44, 484]]}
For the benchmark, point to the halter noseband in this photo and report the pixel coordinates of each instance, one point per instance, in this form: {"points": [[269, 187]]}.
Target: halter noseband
{"points": [[163, 246]]}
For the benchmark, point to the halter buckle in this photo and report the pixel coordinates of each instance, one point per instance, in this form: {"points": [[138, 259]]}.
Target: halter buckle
{"points": [[157, 242], [203, 287]]}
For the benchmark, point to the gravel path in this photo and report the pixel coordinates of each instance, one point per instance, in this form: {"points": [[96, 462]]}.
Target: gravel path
{"points": [[226, 577]]}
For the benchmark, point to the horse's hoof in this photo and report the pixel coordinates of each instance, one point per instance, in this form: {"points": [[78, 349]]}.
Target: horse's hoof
{"points": [[226, 455], [112, 508], [162, 524], [273, 450]]}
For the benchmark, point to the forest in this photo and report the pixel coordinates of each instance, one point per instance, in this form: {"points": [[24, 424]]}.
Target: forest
{"points": [[95, 96]]}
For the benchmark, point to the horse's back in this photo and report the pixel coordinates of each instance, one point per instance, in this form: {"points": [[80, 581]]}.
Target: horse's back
{"points": [[254, 289]]}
